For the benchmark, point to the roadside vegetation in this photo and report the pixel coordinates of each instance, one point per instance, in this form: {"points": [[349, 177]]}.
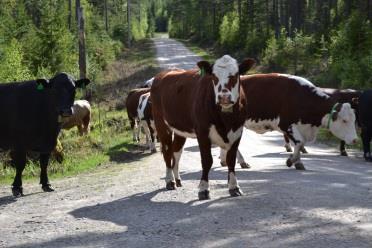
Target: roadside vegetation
{"points": [[35, 41]]}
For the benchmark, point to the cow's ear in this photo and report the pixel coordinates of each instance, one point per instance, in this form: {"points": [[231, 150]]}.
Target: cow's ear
{"points": [[81, 83], [42, 83], [205, 67], [246, 65]]}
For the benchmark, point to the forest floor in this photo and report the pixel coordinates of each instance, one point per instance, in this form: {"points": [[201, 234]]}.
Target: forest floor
{"points": [[124, 203]]}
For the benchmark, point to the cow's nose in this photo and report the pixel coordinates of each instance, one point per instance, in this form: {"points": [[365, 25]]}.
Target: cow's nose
{"points": [[66, 112], [224, 99]]}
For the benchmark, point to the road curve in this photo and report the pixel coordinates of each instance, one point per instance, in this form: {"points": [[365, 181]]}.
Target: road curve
{"points": [[125, 204]]}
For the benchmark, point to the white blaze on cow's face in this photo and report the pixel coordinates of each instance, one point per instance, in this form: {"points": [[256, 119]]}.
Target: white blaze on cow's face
{"points": [[226, 81], [343, 127]]}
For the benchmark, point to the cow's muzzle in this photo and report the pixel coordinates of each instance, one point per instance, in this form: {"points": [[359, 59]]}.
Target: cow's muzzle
{"points": [[65, 114], [225, 102]]}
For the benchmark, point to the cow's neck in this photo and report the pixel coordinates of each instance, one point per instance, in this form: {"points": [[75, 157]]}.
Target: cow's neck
{"points": [[327, 113]]}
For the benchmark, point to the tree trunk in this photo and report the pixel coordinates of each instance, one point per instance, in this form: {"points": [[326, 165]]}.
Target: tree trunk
{"points": [[106, 15], [82, 54], [69, 14], [129, 27]]}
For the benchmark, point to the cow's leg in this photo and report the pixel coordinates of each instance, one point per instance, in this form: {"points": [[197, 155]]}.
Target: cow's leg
{"points": [[133, 126], [165, 137], [239, 158], [366, 139], [44, 181], [80, 129], [234, 188], [152, 136], [342, 148], [207, 161], [86, 124], [19, 159], [287, 144], [295, 158], [147, 133], [177, 147], [138, 129]]}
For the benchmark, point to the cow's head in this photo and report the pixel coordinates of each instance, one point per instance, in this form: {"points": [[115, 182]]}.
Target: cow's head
{"points": [[341, 122], [225, 77], [64, 88]]}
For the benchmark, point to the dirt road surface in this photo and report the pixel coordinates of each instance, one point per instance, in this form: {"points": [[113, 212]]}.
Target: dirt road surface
{"points": [[125, 204]]}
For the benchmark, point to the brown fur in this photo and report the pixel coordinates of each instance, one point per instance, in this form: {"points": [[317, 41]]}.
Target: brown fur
{"points": [[80, 117], [184, 100]]}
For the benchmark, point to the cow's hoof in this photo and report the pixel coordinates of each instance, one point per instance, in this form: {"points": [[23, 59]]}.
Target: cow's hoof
{"points": [[245, 166], [344, 153], [178, 183], [288, 149], [223, 164], [299, 166], [289, 162], [47, 188], [368, 159], [17, 191], [170, 186], [235, 192], [153, 151], [303, 150], [204, 195]]}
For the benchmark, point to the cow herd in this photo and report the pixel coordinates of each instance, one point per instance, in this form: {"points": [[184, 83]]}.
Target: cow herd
{"points": [[212, 103]]}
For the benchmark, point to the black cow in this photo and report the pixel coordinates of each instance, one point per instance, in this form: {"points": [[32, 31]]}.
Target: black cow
{"points": [[31, 116], [365, 121]]}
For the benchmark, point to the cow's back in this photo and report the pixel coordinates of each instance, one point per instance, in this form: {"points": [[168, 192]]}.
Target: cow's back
{"points": [[132, 100], [273, 96], [28, 117], [173, 95]]}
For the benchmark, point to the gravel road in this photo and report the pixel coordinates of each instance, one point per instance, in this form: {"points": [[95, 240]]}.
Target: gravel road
{"points": [[125, 204]]}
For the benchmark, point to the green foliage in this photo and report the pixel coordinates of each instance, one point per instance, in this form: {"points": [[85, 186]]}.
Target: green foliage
{"points": [[289, 54], [12, 67], [351, 53], [229, 31]]}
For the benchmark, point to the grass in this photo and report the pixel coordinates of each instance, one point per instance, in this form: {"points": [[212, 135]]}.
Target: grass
{"points": [[110, 139]]}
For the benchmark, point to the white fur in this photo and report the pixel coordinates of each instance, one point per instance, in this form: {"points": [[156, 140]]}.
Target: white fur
{"points": [[223, 68], [343, 130], [143, 103], [304, 132], [169, 176], [149, 82], [239, 157], [233, 181], [232, 136], [203, 185], [177, 157], [260, 126], [304, 82]]}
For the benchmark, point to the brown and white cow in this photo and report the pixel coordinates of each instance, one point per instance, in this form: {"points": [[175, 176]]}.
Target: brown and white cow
{"points": [[144, 113], [338, 95], [81, 114], [203, 104], [295, 107], [132, 106]]}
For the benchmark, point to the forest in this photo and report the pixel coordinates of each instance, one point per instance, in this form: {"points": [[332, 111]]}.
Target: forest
{"points": [[328, 41]]}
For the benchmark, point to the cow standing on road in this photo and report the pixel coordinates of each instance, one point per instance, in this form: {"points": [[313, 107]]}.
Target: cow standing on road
{"points": [[203, 104], [132, 105], [365, 121], [295, 107], [31, 116], [341, 96], [144, 113]]}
